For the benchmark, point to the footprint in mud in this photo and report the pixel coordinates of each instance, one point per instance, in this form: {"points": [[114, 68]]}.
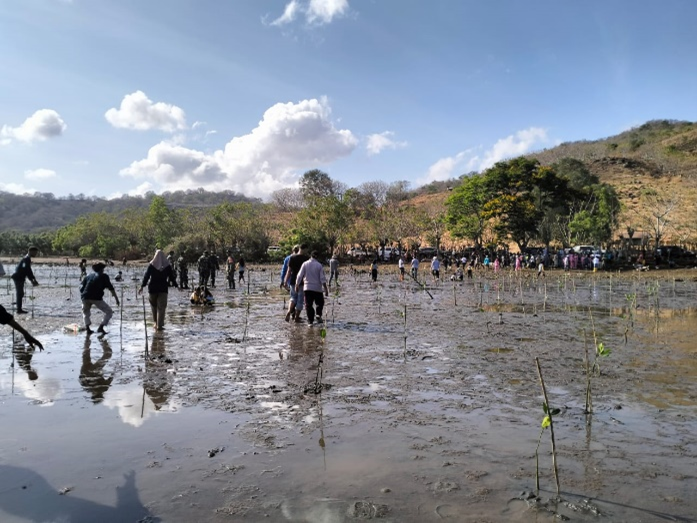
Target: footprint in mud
{"points": [[367, 510], [445, 485]]}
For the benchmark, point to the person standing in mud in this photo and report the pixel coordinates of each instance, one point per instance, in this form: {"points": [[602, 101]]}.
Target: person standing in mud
{"points": [[400, 264], [435, 268], [23, 273], [92, 293], [7, 319], [241, 267], [230, 270], [284, 269], [173, 276], [204, 270], [83, 269], [156, 279], [213, 267], [415, 267], [183, 270], [312, 280], [334, 270], [295, 305], [374, 270]]}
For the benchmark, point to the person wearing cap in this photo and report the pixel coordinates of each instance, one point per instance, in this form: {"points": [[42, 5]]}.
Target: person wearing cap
{"points": [[92, 294], [7, 319], [156, 279], [23, 273], [204, 269]]}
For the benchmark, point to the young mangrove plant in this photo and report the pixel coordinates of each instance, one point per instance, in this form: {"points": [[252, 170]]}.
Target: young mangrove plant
{"points": [[593, 369], [547, 421], [631, 311]]}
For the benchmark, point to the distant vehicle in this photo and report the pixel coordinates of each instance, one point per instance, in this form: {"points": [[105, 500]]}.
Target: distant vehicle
{"points": [[355, 251], [273, 249], [587, 249], [389, 253]]}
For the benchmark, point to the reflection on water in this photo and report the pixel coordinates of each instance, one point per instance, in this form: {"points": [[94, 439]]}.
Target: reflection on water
{"points": [[92, 376]]}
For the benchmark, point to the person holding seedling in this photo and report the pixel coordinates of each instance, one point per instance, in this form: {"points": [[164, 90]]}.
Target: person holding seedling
{"points": [[23, 273]]}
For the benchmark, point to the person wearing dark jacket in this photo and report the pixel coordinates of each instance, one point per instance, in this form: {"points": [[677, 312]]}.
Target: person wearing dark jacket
{"points": [[23, 273], [157, 278], [92, 293], [7, 319]]}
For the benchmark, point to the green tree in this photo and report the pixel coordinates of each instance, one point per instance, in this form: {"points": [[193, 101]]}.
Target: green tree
{"points": [[467, 216]]}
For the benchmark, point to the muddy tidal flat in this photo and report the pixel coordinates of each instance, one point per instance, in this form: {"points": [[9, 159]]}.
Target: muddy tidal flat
{"points": [[416, 402]]}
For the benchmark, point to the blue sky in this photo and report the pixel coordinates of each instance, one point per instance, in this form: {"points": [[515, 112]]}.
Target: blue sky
{"points": [[109, 97]]}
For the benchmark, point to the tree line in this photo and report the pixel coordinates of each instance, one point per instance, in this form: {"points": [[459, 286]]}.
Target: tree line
{"points": [[517, 201]]}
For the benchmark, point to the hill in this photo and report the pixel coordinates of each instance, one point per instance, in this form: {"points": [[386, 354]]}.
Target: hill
{"points": [[659, 156], [44, 211]]}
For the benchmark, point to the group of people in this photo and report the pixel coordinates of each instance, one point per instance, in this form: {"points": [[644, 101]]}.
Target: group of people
{"points": [[304, 277], [208, 266]]}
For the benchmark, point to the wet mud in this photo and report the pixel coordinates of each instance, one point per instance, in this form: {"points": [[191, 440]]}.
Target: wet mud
{"points": [[416, 402]]}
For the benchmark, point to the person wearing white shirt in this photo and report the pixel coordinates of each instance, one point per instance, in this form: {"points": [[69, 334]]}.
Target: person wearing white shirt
{"points": [[312, 279]]}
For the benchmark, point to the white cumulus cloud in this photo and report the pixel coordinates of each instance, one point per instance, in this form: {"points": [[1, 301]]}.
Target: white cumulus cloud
{"points": [[376, 143], [316, 12], [39, 174], [138, 112], [40, 126], [16, 188], [289, 137], [514, 145], [520, 143]]}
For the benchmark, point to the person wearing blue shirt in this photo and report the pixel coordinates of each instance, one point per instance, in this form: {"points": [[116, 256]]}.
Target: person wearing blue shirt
{"points": [[284, 270]]}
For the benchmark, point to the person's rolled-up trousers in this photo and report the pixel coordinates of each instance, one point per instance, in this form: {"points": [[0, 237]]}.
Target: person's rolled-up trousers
{"points": [[158, 305]]}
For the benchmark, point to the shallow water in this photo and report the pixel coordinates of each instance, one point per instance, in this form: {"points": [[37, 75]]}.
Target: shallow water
{"points": [[234, 415]]}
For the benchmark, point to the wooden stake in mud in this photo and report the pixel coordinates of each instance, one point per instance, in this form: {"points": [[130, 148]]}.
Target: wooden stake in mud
{"points": [[145, 325], [551, 425], [121, 318]]}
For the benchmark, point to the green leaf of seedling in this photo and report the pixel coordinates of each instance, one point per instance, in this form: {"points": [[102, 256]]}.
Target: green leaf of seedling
{"points": [[545, 408], [554, 412], [546, 422], [323, 333]]}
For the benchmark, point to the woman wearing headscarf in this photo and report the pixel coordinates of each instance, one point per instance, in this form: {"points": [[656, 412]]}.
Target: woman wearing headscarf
{"points": [[157, 278]]}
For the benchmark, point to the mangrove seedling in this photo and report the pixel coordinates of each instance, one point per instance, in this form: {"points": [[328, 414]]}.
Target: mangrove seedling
{"points": [[547, 421]]}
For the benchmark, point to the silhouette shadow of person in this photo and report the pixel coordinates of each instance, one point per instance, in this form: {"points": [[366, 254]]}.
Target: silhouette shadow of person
{"points": [[27, 494], [92, 376]]}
